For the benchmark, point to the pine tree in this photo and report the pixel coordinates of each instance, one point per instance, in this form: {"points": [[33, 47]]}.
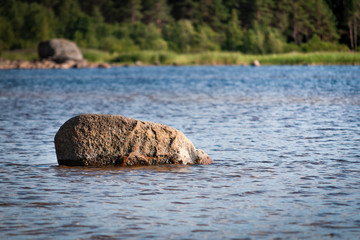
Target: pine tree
{"points": [[300, 24], [353, 22], [281, 15], [323, 21], [185, 9], [212, 13], [157, 12], [234, 33]]}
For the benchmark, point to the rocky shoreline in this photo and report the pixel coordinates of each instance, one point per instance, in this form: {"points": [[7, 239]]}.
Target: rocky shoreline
{"points": [[54, 53], [48, 64]]}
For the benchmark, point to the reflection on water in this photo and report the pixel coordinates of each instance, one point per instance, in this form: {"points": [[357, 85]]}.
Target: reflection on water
{"points": [[285, 141]]}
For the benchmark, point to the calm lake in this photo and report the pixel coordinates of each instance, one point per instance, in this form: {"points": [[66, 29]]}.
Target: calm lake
{"points": [[285, 141]]}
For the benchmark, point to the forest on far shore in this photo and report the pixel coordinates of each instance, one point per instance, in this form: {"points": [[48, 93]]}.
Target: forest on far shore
{"points": [[184, 26]]}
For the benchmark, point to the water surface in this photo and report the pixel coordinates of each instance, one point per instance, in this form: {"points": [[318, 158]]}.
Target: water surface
{"points": [[285, 141]]}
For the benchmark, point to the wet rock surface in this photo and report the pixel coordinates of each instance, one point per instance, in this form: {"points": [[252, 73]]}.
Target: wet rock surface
{"points": [[102, 140]]}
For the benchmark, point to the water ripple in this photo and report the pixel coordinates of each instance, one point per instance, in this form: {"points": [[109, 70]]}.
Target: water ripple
{"points": [[285, 141]]}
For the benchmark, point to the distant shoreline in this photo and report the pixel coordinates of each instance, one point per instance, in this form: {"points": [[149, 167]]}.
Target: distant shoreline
{"points": [[27, 58]]}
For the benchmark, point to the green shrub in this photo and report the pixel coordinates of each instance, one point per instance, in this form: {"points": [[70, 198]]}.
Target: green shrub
{"points": [[273, 42], [23, 54], [234, 35], [124, 45], [291, 47], [205, 40], [94, 55], [180, 35], [251, 42], [7, 35], [315, 44]]}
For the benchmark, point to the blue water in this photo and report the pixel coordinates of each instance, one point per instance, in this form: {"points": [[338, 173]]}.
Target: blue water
{"points": [[285, 141]]}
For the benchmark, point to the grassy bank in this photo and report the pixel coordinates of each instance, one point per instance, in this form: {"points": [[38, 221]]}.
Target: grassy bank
{"points": [[23, 54], [92, 55], [205, 58], [232, 58]]}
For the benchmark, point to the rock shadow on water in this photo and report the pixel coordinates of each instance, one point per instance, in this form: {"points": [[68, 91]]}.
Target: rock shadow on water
{"points": [[88, 170]]}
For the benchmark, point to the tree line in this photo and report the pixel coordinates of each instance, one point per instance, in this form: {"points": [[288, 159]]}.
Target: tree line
{"points": [[248, 26]]}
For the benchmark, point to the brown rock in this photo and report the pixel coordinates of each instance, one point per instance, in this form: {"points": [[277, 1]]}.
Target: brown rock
{"points": [[104, 65], [7, 64], [24, 65], [100, 140], [255, 63], [82, 64], [46, 64], [68, 64]]}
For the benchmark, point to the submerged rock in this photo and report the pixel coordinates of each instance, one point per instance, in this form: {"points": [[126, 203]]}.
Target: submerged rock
{"points": [[59, 50], [101, 140]]}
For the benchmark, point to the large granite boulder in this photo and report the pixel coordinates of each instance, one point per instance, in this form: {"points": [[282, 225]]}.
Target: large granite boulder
{"points": [[59, 50], [101, 140]]}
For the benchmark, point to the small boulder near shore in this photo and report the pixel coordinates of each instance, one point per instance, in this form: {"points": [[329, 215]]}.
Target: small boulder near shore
{"points": [[256, 63], [108, 140], [59, 50]]}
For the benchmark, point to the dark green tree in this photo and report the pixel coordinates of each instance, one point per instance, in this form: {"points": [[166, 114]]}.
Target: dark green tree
{"points": [[234, 33], [180, 36], [251, 26], [185, 9], [157, 12], [264, 12], [300, 26], [39, 24], [353, 22], [206, 39], [122, 11], [212, 13], [281, 16], [323, 20]]}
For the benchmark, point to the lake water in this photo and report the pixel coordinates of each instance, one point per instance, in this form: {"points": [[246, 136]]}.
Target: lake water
{"points": [[285, 141]]}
